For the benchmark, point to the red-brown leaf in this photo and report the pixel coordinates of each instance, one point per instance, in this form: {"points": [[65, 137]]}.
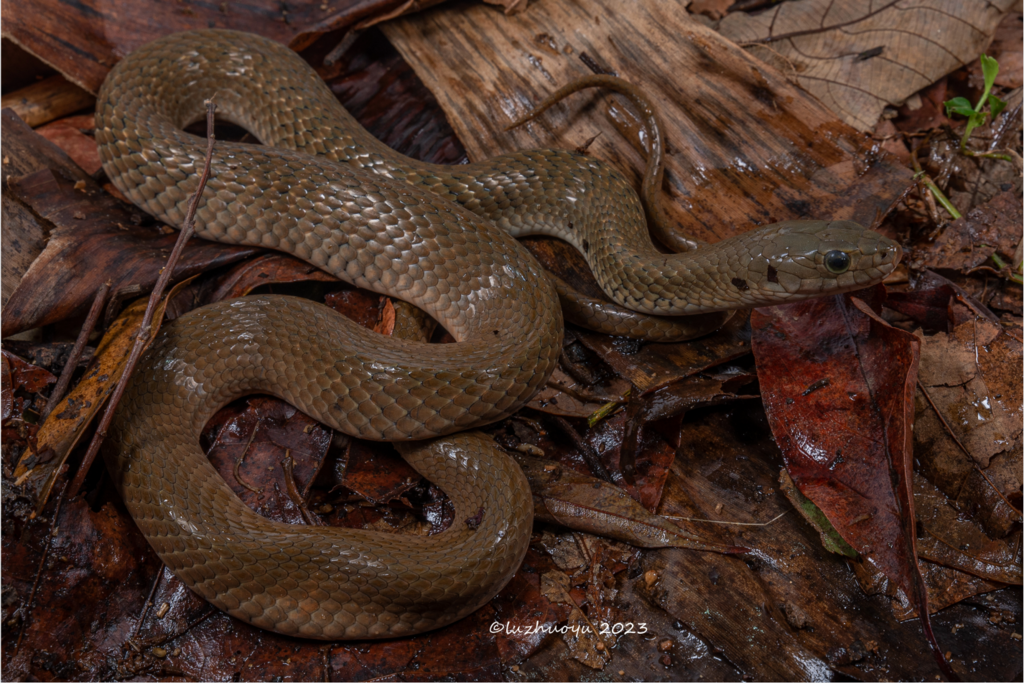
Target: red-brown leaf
{"points": [[838, 386]]}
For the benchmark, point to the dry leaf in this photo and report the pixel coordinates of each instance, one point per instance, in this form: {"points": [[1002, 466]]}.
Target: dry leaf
{"points": [[861, 55], [579, 634], [69, 419]]}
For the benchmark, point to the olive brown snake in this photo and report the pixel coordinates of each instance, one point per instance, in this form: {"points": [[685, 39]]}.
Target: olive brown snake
{"points": [[321, 188]]}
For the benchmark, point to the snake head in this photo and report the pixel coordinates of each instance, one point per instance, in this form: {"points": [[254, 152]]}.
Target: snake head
{"points": [[801, 259]]}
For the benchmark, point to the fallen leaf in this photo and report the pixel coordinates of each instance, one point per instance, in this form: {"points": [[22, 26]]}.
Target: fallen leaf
{"points": [[1006, 49], [526, 615], [830, 539], [376, 473], [579, 634], [20, 378], [968, 420], [947, 538], [970, 241], [673, 400], [254, 437], [859, 57], [91, 592], [266, 269], [68, 421], [67, 34], [924, 110], [838, 385], [566, 396]]}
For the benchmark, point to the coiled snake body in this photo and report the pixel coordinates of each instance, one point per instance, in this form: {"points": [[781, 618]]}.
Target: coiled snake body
{"points": [[325, 190]]}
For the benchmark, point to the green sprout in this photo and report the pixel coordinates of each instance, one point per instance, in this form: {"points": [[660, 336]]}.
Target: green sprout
{"points": [[989, 104]]}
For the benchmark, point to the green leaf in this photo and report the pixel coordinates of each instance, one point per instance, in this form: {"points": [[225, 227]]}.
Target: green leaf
{"points": [[959, 105], [830, 537], [996, 104], [989, 69]]}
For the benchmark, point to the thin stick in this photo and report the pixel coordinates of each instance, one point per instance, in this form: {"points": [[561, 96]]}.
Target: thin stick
{"points": [[142, 338], [287, 465], [726, 522], [76, 352], [39, 572], [148, 605], [238, 462]]}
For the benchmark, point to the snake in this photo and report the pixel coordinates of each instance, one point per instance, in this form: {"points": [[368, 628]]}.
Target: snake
{"points": [[442, 238]]}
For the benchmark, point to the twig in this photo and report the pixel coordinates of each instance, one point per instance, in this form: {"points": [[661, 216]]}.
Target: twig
{"points": [[39, 572], [146, 607], [342, 47], [726, 522], [287, 465], [238, 461], [76, 352], [607, 410], [583, 395], [142, 338]]}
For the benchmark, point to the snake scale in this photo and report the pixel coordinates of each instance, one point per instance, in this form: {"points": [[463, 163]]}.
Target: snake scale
{"points": [[323, 189]]}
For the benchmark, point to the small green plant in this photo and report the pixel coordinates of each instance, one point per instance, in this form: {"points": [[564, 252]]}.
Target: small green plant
{"points": [[989, 104]]}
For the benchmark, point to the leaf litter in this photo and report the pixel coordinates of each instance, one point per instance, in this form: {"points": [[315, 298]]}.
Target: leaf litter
{"points": [[179, 635]]}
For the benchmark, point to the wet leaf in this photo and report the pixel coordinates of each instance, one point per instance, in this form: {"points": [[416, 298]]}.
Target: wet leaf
{"points": [[746, 116], [968, 419], [19, 379], [584, 503], [830, 539], [947, 538], [580, 634], [564, 395], [648, 366], [971, 240], [91, 592], [838, 386], [266, 269], [673, 400], [376, 473], [254, 437], [526, 615], [859, 57], [23, 376]]}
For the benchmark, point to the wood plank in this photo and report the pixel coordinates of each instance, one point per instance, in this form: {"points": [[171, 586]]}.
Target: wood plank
{"points": [[746, 147]]}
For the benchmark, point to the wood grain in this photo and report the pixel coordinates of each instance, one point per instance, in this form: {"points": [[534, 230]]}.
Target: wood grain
{"points": [[746, 147]]}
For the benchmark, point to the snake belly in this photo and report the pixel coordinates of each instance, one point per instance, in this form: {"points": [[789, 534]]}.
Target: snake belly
{"points": [[324, 190]]}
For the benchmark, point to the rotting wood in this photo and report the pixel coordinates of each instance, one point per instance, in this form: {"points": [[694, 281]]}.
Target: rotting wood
{"points": [[746, 147]]}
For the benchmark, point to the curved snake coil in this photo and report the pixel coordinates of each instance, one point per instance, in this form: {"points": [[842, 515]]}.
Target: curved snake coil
{"points": [[323, 189]]}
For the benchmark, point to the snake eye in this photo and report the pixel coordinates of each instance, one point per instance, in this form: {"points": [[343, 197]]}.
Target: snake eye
{"points": [[837, 261]]}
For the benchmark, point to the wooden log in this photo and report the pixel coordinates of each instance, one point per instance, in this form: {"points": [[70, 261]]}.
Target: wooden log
{"points": [[47, 100], [746, 146]]}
